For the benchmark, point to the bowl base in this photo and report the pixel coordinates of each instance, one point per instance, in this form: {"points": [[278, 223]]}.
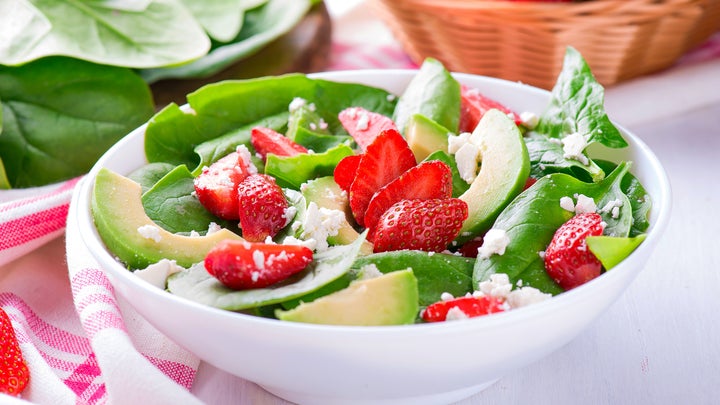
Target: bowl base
{"points": [[303, 398]]}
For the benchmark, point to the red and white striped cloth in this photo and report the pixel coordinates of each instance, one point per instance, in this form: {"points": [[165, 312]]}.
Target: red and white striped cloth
{"points": [[83, 344]]}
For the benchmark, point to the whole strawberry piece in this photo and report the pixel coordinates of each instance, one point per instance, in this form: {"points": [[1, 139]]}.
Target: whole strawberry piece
{"points": [[14, 374], [262, 207], [427, 180], [266, 141], [386, 158], [364, 125], [568, 260], [463, 307], [428, 225], [216, 186], [242, 265]]}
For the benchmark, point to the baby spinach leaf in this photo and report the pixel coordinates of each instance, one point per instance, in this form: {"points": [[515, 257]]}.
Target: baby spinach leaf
{"points": [[163, 33], [533, 217], [293, 171], [197, 285], [577, 105], [260, 26], [172, 205], [639, 199], [547, 156], [222, 107], [221, 19], [436, 273], [149, 174], [60, 114]]}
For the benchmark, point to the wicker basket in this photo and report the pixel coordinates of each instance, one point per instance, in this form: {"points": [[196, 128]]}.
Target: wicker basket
{"points": [[526, 41]]}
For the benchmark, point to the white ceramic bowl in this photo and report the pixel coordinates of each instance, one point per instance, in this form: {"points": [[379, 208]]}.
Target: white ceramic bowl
{"points": [[427, 363]]}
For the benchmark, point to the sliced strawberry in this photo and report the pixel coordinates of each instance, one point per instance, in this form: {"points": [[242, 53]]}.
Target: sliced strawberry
{"points": [[241, 265], [428, 225], [262, 207], [474, 105], [568, 260], [14, 374], [363, 125], [467, 307], [529, 182], [266, 141], [346, 170], [216, 187], [470, 248], [386, 159], [427, 180]]}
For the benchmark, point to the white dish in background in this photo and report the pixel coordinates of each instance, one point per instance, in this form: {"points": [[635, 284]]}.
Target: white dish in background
{"points": [[414, 364]]}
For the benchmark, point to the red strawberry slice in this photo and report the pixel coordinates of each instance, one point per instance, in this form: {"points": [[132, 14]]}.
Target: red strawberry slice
{"points": [[346, 170], [474, 105], [262, 207], [266, 141], [242, 265], [14, 374], [364, 125], [428, 225], [469, 307], [216, 187], [568, 260], [427, 180], [386, 158]]}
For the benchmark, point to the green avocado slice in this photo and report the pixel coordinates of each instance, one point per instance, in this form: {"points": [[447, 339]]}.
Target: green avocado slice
{"points": [[120, 218]]}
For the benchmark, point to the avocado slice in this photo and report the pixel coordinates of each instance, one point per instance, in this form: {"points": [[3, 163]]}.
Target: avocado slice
{"points": [[504, 170], [390, 299], [611, 250], [119, 214], [425, 136], [324, 192]]}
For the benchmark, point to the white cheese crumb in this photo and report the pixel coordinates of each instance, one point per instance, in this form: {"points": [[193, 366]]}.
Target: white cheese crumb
{"points": [[497, 286], [289, 213], [255, 275], [321, 222], [494, 242], [446, 296], [296, 103], [529, 119], [369, 271], [573, 146], [455, 314], [259, 259], [150, 232], [525, 296], [194, 234], [467, 158], [308, 243], [391, 97], [364, 121], [613, 207], [567, 204], [157, 273], [246, 156], [212, 228], [584, 204], [456, 141]]}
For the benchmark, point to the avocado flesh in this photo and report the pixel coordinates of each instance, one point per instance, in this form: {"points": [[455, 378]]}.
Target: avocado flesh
{"points": [[324, 192], [425, 136], [118, 214], [389, 299], [504, 170]]}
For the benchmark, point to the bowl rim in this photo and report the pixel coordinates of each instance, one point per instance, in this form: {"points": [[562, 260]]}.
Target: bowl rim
{"points": [[81, 205]]}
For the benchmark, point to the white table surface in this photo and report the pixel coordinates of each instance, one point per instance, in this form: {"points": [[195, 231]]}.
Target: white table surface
{"points": [[659, 343]]}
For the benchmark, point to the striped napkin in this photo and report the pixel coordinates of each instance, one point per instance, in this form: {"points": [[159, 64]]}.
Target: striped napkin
{"points": [[84, 344]]}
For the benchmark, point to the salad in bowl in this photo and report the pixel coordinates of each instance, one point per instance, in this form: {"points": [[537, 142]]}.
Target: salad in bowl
{"points": [[352, 210]]}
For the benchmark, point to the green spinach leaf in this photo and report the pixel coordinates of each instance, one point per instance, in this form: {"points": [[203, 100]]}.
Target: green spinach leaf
{"points": [[60, 114], [293, 171], [221, 19], [162, 33], [533, 217]]}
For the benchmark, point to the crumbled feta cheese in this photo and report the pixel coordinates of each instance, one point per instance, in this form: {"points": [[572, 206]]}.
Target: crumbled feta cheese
{"points": [[584, 204], [613, 207], [456, 141], [364, 122], [289, 213], [258, 259], [369, 271], [150, 232], [322, 124], [313, 126], [529, 119], [157, 273], [391, 97], [494, 242], [246, 156], [212, 228], [567, 204], [255, 275], [497, 286], [308, 243], [446, 296], [321, 222], [525, 296], [467, 158], [194, 234], [296, 103], [455, 314], [573, 147]]}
